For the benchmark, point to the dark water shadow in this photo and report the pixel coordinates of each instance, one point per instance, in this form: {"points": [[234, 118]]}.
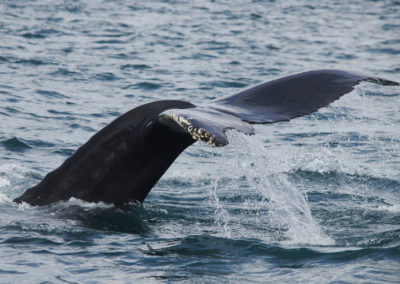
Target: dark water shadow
{"points": [[131, 219]]}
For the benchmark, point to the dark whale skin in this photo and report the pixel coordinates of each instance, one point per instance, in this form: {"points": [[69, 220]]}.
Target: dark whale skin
{"points": [[119, 164]]}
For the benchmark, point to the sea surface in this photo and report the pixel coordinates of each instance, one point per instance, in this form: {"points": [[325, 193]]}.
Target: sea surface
{"points": [[313, 200]]}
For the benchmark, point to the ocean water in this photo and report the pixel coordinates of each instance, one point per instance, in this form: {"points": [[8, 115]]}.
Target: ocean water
{"points": [[314, 200]]}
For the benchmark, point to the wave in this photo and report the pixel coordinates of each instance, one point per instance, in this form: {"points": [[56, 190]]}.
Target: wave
{"points": [[15, 144], [218, 247]]}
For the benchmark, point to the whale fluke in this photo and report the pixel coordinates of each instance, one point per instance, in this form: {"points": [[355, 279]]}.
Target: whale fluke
{"points": [[278, 100], [124, 160]]}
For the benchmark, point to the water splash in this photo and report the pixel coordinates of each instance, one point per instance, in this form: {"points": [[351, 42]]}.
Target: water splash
{"points": [[13, 177], [223, 217], [280, 211], [4, 198], [4, 182]]}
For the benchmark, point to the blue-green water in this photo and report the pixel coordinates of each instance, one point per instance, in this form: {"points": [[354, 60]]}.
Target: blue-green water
{"points": [[313, 200]]}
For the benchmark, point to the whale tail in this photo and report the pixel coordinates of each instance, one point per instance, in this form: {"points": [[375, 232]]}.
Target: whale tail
{"points": [[124, 160], [278, 100]]}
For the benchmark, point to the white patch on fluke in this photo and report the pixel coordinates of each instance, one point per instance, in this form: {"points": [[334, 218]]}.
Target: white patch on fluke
{"points": [[198, 134]]}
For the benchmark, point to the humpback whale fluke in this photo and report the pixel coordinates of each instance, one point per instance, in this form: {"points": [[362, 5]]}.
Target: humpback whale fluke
{"points": [[124, 160]]}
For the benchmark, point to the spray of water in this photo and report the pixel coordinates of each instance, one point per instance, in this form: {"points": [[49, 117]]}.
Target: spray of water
{"points": [[279, 212], [12, 178]]}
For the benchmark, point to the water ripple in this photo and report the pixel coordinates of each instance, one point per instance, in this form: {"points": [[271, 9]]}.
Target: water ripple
{"points": [[15, 144], [314, 200]]}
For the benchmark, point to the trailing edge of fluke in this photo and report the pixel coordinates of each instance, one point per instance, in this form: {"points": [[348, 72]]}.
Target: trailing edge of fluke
{"points": [[124, 160]]}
